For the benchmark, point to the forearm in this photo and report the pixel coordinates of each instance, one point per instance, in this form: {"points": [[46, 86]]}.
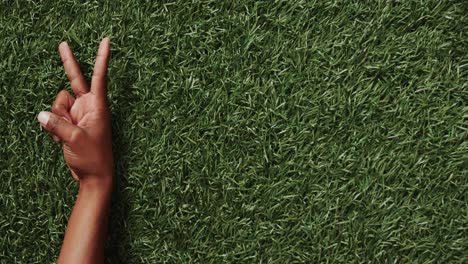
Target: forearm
{"points": [[87, 227]]}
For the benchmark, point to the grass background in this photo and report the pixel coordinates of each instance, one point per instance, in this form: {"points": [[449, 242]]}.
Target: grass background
{"points": [[248, 131]]}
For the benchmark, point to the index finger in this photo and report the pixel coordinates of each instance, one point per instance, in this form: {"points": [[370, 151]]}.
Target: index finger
{"points": [[77, 81], [98, 82]]}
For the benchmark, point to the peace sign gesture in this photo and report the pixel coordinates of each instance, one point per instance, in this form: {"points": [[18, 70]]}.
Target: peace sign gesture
{"points": [[83, 123]]}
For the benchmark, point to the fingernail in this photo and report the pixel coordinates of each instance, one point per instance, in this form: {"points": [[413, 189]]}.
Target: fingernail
{"points": [[63, 43], [43, 118], [104, 42]]}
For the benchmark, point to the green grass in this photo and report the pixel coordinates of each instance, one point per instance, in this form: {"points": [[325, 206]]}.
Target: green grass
{"points": [[248, 131]]}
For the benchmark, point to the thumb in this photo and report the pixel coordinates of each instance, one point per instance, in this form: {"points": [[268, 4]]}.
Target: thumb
{"points": [[58, 126]]}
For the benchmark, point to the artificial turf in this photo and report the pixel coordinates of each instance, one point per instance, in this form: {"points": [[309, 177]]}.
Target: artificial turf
{"points": [[248, 131]]}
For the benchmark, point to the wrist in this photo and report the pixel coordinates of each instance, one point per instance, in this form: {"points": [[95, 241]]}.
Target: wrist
{"points": [[97, 184]]}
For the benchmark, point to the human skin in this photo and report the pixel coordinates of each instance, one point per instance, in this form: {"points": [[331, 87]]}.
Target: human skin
{"points": [[83, 127]]}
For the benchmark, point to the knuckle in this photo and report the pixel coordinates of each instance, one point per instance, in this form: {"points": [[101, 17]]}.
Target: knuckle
{"points": [[56, 108], [97, 76], [65, 60]]}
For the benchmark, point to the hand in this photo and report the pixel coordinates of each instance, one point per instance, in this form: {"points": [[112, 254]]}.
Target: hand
{"points": [[82, 124]]}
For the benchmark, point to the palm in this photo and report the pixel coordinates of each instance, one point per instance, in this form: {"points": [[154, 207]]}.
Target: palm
{"points": [[86, 115], [84, 112]]}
